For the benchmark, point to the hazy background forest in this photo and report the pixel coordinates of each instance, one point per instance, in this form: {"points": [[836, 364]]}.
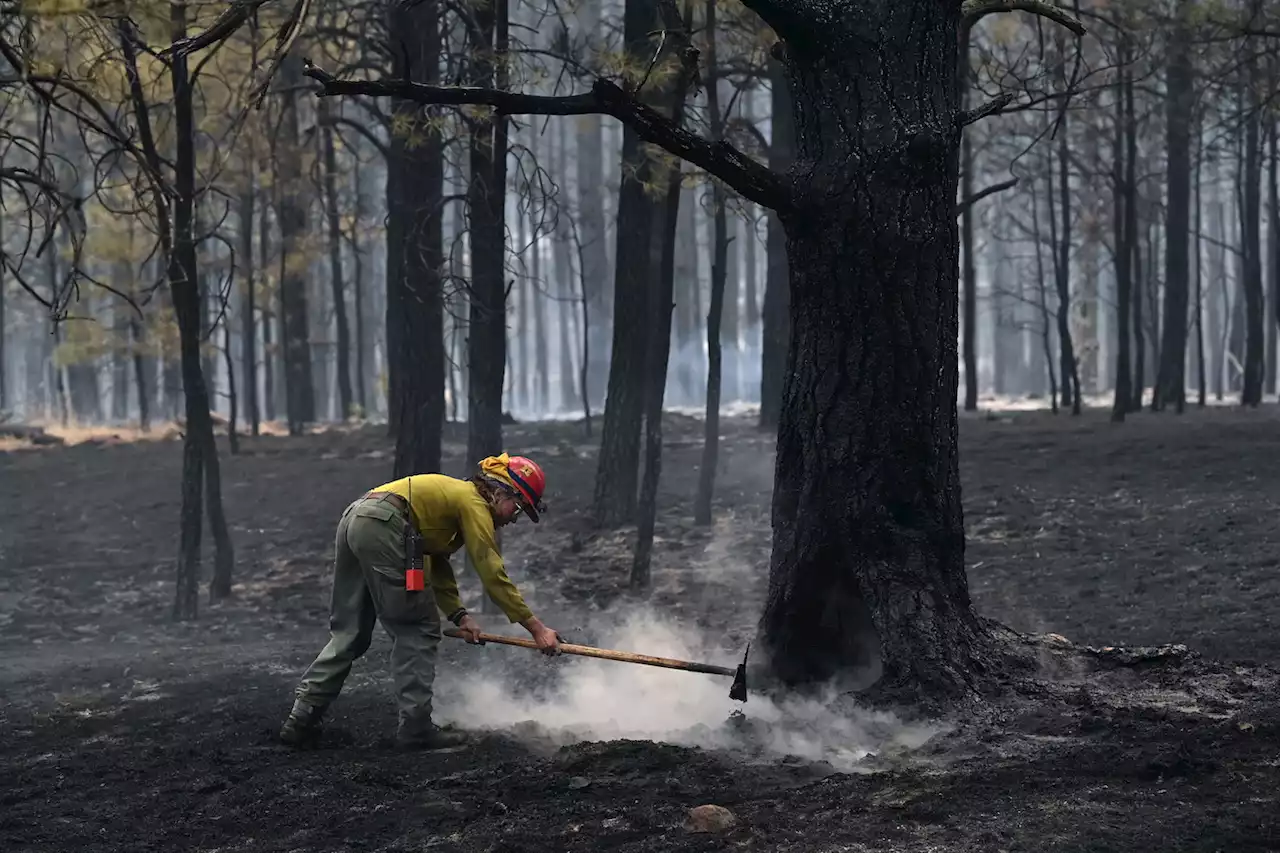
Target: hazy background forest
{"points": [[1151, 139]]}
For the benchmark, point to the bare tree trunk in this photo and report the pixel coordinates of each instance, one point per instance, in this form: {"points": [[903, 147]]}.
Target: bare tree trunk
{"points": [[1273, 255], [1120, 226], [1251, 228], [661, 303], [1171, 382], [300, 394], [1139, 333], [1200, 365], [1062, 274], [268, 314], [617, 470], [200, 458], [486, 330], [969, 272], [1043, 298], [415, 250], [233, 400], [775, 334], [333, 215], [248, 321], [969, 277], [120, 310], [719, 256]]}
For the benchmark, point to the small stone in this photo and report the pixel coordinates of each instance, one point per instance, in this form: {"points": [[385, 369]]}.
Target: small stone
{"points": [[578, 782], [710, 818]]}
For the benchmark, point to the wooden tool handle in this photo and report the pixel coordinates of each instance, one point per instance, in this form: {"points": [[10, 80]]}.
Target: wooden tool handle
{"points": [[607, 654]]}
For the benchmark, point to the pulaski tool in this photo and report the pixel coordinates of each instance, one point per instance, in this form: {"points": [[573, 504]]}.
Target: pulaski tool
{"points": [[738, 692]]}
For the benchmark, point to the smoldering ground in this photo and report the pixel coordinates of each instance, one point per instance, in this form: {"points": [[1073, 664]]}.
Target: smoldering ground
{"points": [[123, 731], [575, 699]]}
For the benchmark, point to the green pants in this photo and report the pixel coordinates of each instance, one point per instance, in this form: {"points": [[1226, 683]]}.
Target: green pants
{"points": [[368, 584]]}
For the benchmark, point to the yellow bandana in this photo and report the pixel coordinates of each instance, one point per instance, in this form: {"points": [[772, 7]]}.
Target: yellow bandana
{"points": [[496, 467]]}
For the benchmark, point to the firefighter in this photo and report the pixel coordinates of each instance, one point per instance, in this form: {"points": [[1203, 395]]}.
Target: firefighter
{"points": [[375, 578]]}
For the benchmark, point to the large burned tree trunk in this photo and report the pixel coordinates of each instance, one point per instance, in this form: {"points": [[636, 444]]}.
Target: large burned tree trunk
{"points": [[867, 576]]}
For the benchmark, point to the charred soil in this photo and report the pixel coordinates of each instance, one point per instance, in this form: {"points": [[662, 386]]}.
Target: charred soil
{"points": [[1100, 546]]}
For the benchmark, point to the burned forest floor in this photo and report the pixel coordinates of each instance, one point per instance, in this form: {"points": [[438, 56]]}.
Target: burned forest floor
{"points": [[1139, 564]]}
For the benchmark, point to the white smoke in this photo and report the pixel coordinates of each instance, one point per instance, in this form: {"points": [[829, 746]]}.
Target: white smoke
{"points": [[584, 699]]}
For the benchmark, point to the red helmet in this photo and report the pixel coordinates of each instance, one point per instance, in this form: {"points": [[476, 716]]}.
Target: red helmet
{"points": [[530, 483]]}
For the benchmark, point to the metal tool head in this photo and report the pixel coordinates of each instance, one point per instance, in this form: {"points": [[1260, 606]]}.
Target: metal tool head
{"points": [[738, 692]]}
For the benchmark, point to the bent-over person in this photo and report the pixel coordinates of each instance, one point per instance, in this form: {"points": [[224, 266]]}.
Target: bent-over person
{"points": [[375, 578]]}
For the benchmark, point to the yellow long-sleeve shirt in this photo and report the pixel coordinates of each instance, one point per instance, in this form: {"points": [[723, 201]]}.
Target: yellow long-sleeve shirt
{"points": [[451, 514]]}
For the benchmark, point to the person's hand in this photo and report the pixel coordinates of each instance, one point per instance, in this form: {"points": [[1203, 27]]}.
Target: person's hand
{"points": [[548, 641], [470, 630]]}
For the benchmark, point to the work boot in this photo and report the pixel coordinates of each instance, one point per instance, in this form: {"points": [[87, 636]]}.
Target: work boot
{"points": [[303, 726], [428, 737]]}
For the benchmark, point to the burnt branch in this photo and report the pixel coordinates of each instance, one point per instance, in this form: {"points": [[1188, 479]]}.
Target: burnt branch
{"points": [[975, 10], [995, 106], [753, 180], [219, 31], [969, 202]]}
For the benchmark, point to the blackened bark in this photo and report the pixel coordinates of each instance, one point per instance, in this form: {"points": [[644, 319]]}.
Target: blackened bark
{"points": [[415, 250], [486, 205], [618, 466], [333, 216], [1069, 369], [969, 330], [268, 315], [1122, 253], [1273, 255], [867, 576], [661, 305], [1139, 333], [1042, 297], [248, 320], [233, 399], [141, 380], [357, 291], [200, 449], [1199, 243], [1171, 381], [1251, 230], [775, 316], [969, 278], [119, 354], [184, 289], [715, 313], [300, 395]]}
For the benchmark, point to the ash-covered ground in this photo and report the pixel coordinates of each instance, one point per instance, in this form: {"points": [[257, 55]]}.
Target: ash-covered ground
{"points": [[123, 731]]}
